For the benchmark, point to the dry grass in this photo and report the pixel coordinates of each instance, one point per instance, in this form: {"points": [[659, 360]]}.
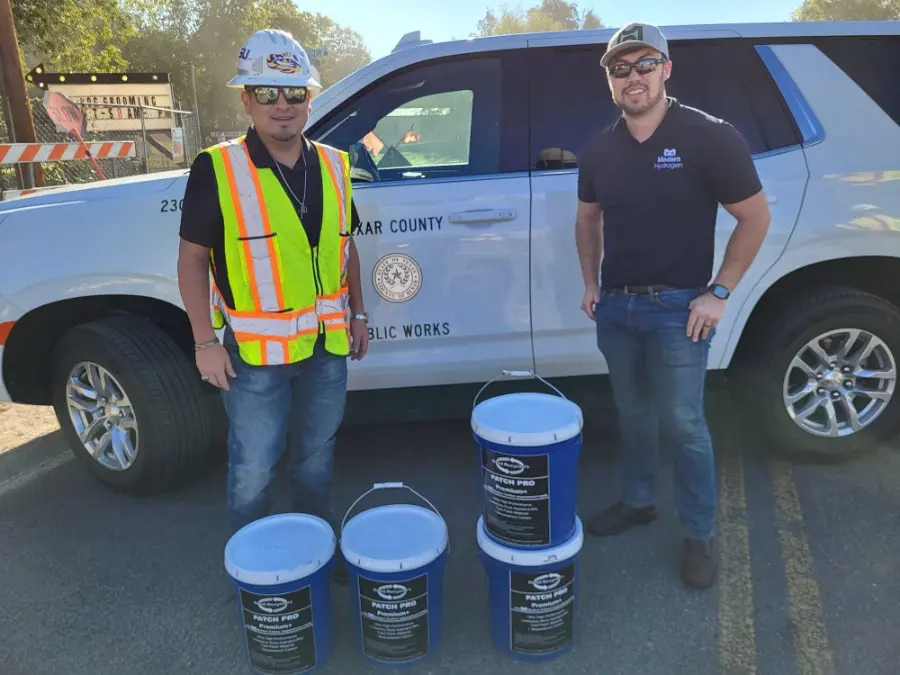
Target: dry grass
{"points": [[20, 424]]}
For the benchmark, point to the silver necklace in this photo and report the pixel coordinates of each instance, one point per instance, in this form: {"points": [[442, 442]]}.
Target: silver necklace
{"points": [[302, 202]]}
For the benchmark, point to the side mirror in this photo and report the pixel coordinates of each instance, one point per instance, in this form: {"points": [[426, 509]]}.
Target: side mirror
{"points": [[357, 150]]}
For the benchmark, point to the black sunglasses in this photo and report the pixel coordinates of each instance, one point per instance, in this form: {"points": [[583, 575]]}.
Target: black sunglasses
{"points": [[643, 67], [269, 95]]}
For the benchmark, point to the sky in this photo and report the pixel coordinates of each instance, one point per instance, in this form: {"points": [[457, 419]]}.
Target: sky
{"points": [[381, 28]]}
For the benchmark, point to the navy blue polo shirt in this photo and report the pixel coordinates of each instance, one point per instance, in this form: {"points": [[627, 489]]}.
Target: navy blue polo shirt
{"points": [[660, 198]]}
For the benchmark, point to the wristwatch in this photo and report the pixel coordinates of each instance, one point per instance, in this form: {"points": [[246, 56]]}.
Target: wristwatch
{"points": [[719, 291], [360, 316]]}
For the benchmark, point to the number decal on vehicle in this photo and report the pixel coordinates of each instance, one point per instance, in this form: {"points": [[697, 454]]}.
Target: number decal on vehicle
{"points": [[171, 205]]}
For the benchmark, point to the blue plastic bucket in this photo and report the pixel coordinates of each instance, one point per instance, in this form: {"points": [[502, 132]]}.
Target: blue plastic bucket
{"points": [[396, 556], [532, 596], [529, 445], [281, 568]]}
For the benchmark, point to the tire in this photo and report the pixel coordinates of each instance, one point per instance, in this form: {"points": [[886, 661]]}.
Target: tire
{"points": [[167, 416], [770, 353]]}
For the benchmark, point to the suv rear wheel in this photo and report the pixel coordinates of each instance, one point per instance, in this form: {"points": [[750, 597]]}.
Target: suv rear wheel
{"points": [[130, 404], [821, 373]]}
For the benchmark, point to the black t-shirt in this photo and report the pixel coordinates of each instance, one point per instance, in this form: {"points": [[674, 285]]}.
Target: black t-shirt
{"points": [[660, 198], [201, 215]]}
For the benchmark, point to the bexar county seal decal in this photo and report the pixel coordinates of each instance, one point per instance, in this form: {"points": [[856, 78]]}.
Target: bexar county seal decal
{"points": [[397, 277]]}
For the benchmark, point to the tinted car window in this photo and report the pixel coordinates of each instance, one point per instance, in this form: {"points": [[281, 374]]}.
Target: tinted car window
{"points": [[729, 80], [434, 121], [872, 63], [570, 101], [570, 98]]}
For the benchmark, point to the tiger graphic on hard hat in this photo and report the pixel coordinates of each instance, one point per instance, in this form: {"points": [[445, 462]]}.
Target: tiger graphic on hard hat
{"points": [[286, 62]]}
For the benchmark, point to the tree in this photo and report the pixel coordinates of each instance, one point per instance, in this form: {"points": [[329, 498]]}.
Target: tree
{"points": [[550, 15], [73, 35], [848, 10], [222, 30], [171, 36]]}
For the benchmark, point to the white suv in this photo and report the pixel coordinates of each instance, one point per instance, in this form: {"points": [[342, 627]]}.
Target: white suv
{"points": [[465, 159]]}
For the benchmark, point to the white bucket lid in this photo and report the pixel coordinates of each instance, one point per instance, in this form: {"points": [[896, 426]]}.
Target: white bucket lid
{"points": [[279, 549], [531, 558], [527, 419], [394, 538]]}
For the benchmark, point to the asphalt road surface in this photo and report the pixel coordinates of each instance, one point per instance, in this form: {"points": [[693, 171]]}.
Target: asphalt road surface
{"points": [[97, 584]]}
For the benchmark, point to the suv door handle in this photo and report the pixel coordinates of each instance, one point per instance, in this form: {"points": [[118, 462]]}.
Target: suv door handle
{"points": [[482, 216]]}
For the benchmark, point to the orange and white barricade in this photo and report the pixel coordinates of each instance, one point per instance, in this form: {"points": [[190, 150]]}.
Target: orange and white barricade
{"points": [[24, 153]]}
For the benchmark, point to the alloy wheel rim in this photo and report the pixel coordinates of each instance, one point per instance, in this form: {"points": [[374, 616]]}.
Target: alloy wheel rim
{"points": [[839, 382], [103, 416]]}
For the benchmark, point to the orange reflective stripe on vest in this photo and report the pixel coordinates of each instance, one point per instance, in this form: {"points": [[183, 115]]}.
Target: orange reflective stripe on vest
{"points": [[332, 311], [286, 292], [253, 219], [335, 169]]}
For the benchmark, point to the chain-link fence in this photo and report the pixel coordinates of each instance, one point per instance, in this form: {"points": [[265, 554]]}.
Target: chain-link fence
{"points": [[164, 139]]}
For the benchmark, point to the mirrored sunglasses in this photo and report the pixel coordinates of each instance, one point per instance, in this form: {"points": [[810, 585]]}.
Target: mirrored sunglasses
{"points": [[643, 67], [269, 95]]}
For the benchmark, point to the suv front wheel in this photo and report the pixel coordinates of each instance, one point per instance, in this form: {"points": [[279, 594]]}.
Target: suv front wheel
{"points": [[130, 404], [820, 375]]}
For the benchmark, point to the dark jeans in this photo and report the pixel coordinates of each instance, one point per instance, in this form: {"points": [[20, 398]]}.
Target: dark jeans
{"points": [[298, 407], [657, 374]]}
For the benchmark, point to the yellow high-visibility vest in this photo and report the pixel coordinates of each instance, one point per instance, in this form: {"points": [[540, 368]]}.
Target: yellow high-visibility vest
{"points": [[285, 292]]}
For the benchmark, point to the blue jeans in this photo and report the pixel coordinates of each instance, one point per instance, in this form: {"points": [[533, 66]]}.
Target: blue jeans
{"points": [[298, 407], [657, 374]]}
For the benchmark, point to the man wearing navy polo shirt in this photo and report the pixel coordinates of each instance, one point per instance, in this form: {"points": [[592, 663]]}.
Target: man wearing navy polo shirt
{"points": [[648, 192]]}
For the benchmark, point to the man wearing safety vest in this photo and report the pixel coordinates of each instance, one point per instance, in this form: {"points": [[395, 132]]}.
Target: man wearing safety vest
{"points": [[269, 215]]}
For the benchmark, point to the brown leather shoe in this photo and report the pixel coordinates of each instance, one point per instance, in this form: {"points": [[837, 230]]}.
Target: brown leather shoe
{"points": [[699, 566], [619, 518]]}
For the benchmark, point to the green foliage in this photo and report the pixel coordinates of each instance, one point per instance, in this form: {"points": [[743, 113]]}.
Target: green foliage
{"points": [[171, 36], [76, 34], [847, 10], [550, 15], [174, 35]]}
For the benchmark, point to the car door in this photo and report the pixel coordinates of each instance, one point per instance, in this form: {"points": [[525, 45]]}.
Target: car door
{"points": [[444, 210], [730, 80], [571, 103]]}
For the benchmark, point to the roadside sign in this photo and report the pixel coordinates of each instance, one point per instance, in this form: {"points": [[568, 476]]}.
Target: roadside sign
{"points": [[67, 116], [111, 100], [65, 113]]}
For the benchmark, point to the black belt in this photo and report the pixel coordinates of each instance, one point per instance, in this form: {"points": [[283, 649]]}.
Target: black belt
{"points": [[641, 290]]}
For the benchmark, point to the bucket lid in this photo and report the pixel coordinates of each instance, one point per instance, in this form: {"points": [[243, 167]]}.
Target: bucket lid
{"points": [[279, 549], [394, 538], [531, 558], [527, 419]]}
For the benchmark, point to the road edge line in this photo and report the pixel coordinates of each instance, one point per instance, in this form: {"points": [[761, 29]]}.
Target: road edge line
{"points": [[13, 483]]}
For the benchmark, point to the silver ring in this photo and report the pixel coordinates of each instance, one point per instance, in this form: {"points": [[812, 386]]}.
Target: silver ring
{"points": [[205, 378]]}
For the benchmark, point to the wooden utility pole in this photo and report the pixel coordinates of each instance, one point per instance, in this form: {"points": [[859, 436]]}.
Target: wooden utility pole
{"points": [[15, 91]]}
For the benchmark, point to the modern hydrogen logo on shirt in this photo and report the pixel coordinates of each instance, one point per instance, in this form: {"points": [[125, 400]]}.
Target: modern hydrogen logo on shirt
{"points": [[668, 160]]}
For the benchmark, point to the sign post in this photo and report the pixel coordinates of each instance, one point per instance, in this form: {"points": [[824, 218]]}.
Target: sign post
{"points": [[14, 92], [68, 117]]}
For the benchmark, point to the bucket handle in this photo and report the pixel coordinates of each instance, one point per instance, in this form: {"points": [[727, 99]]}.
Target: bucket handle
{"points": [[515, 373], [385, 486]]}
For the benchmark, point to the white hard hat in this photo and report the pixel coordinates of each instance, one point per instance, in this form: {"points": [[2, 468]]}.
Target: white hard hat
{"points": [[275, 58]]}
